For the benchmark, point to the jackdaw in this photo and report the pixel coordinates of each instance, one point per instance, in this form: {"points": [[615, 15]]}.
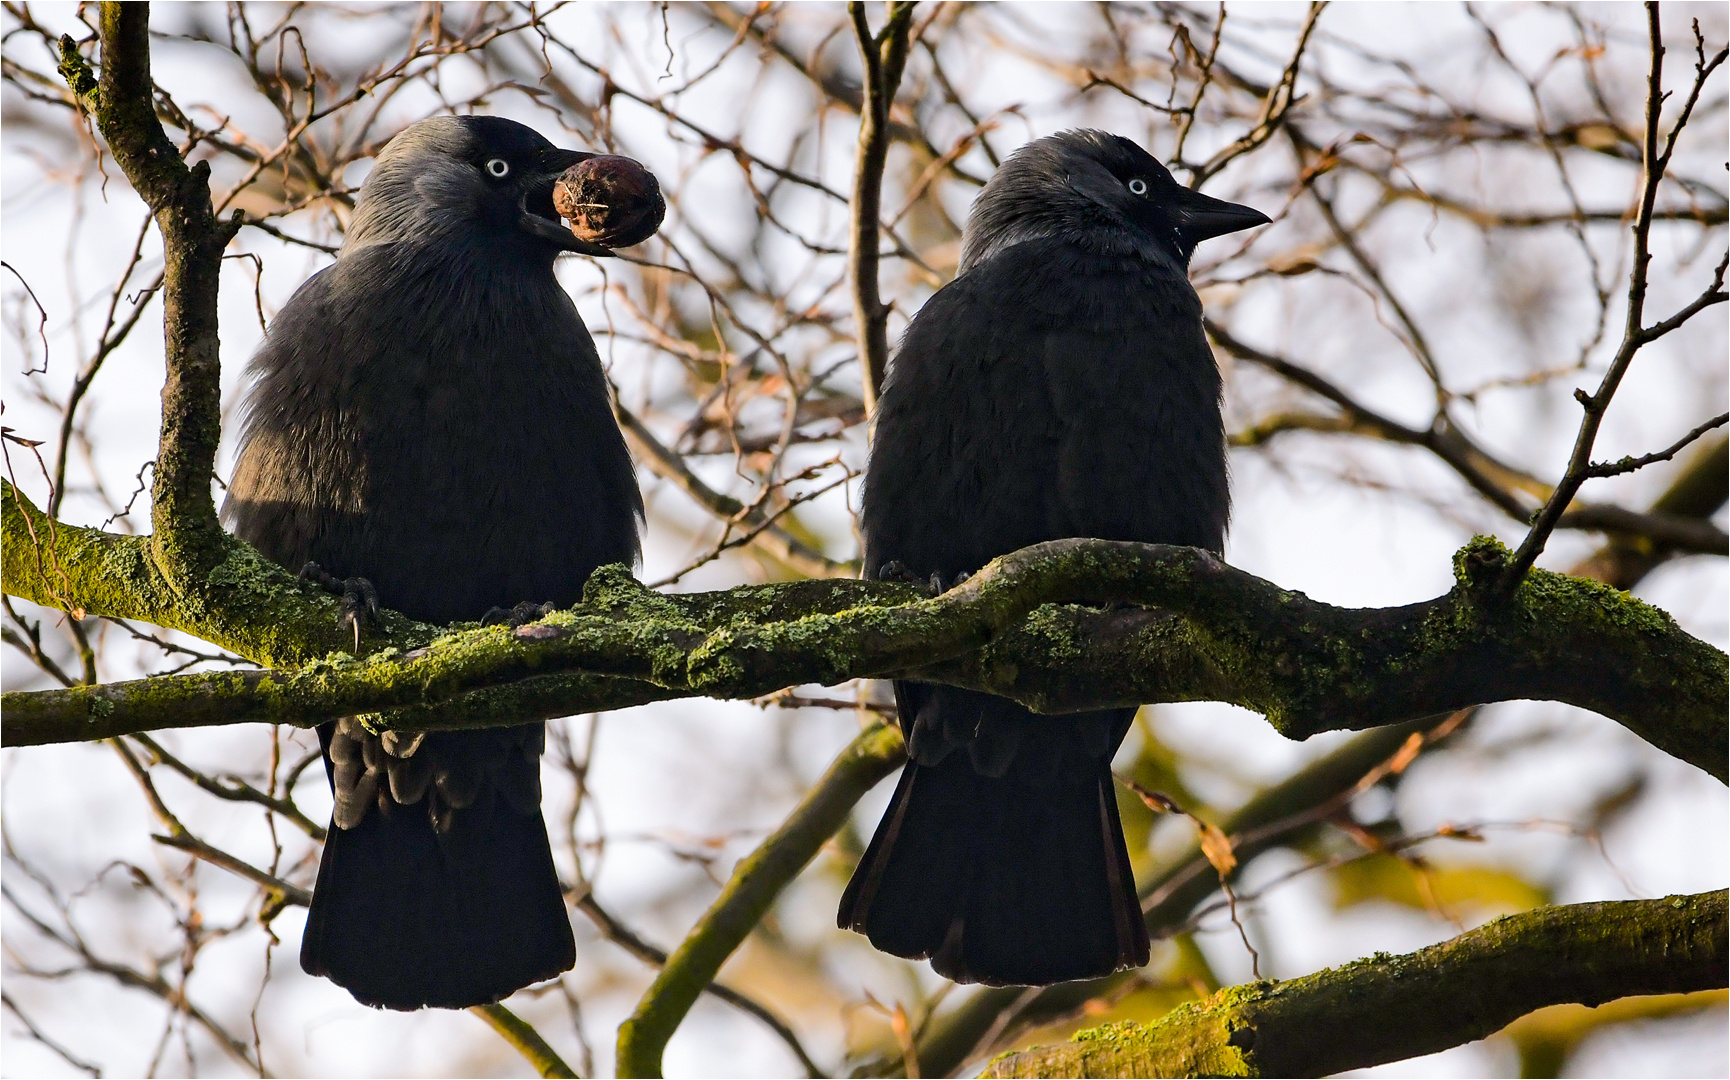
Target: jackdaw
{"points": [[1060, 386], [429, 417]]}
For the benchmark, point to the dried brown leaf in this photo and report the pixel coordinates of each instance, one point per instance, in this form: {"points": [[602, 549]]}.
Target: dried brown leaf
{"points": [[1216, 845]]}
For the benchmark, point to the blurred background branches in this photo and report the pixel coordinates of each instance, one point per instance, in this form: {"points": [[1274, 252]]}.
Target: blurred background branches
{"points": [[1455, 190]]}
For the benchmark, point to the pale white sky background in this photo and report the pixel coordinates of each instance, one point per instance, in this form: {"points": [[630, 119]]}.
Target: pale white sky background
{"points": [[689, 770]]}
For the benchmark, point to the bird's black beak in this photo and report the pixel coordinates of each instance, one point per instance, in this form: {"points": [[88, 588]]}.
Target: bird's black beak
{"points": [[1201, 217], [539, 219], [557, 161]]}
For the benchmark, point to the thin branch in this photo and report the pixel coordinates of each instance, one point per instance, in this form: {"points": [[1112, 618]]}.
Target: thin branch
{"points": [[773, 540], [41, 320], [173, 996], [756, 882], [1630, 464], [235, 790], [1276, 107], [1694, 495], [1415, 339], [182, 838], [627, 939], [288, 892], [884, 55], [36, 1033], [27, 639], [1711, 295], [525, 1040], [767, 521], [838, 90], [112, 338], [1655, 162], [1495, 480], [187, 535]]}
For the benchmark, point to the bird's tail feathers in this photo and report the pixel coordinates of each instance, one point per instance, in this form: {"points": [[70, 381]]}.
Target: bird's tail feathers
{"points": [[404, 917], [1007, 883]]}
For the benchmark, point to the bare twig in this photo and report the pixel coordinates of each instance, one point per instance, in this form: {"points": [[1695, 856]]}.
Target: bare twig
{"points": [[627, 939], [1276, 107], [1655, 158], [36, 1033], [1630, 464], [884, 55], [756, 882]]}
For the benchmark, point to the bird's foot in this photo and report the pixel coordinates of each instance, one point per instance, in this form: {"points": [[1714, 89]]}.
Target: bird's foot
{"points": [[359, 598], [526, 612], [896, 570], [938, 585]]}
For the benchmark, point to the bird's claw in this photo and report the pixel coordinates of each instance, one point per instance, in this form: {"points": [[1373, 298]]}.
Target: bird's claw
{"points": [[359, 598], [526, 612], [939, 586], [896, 570]]}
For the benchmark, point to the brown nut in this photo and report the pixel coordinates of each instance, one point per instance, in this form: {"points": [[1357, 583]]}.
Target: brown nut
{"points": [[611, 201]]}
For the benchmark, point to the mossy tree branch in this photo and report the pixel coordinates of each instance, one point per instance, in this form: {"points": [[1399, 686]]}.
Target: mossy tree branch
{"points": [[1388, 1008], [243, 602], [1308, 666], [1204, 631], [1656, 152], [187, 541]]}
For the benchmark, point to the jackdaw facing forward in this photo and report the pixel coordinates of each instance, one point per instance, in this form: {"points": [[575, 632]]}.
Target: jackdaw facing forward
{"points": [[1060, 386], [429, 415]]}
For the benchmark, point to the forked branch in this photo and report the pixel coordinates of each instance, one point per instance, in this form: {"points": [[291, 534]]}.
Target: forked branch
{"points": [[1655, 160], [187, 539]]}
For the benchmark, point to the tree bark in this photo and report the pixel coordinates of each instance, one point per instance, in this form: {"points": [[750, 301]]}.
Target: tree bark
{"points": [[1205, 631], [187, 540], [1388, 1008]]}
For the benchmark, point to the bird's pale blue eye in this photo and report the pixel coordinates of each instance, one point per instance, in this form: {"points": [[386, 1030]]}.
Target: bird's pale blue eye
{"points": [[1138, 186], [499, 168]]}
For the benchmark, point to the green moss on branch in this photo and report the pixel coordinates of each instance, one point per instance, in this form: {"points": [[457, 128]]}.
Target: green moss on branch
{"points": [[1388, 1008], [244, 602], [1203, 630], [1208, 632], [525, 1040]]}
